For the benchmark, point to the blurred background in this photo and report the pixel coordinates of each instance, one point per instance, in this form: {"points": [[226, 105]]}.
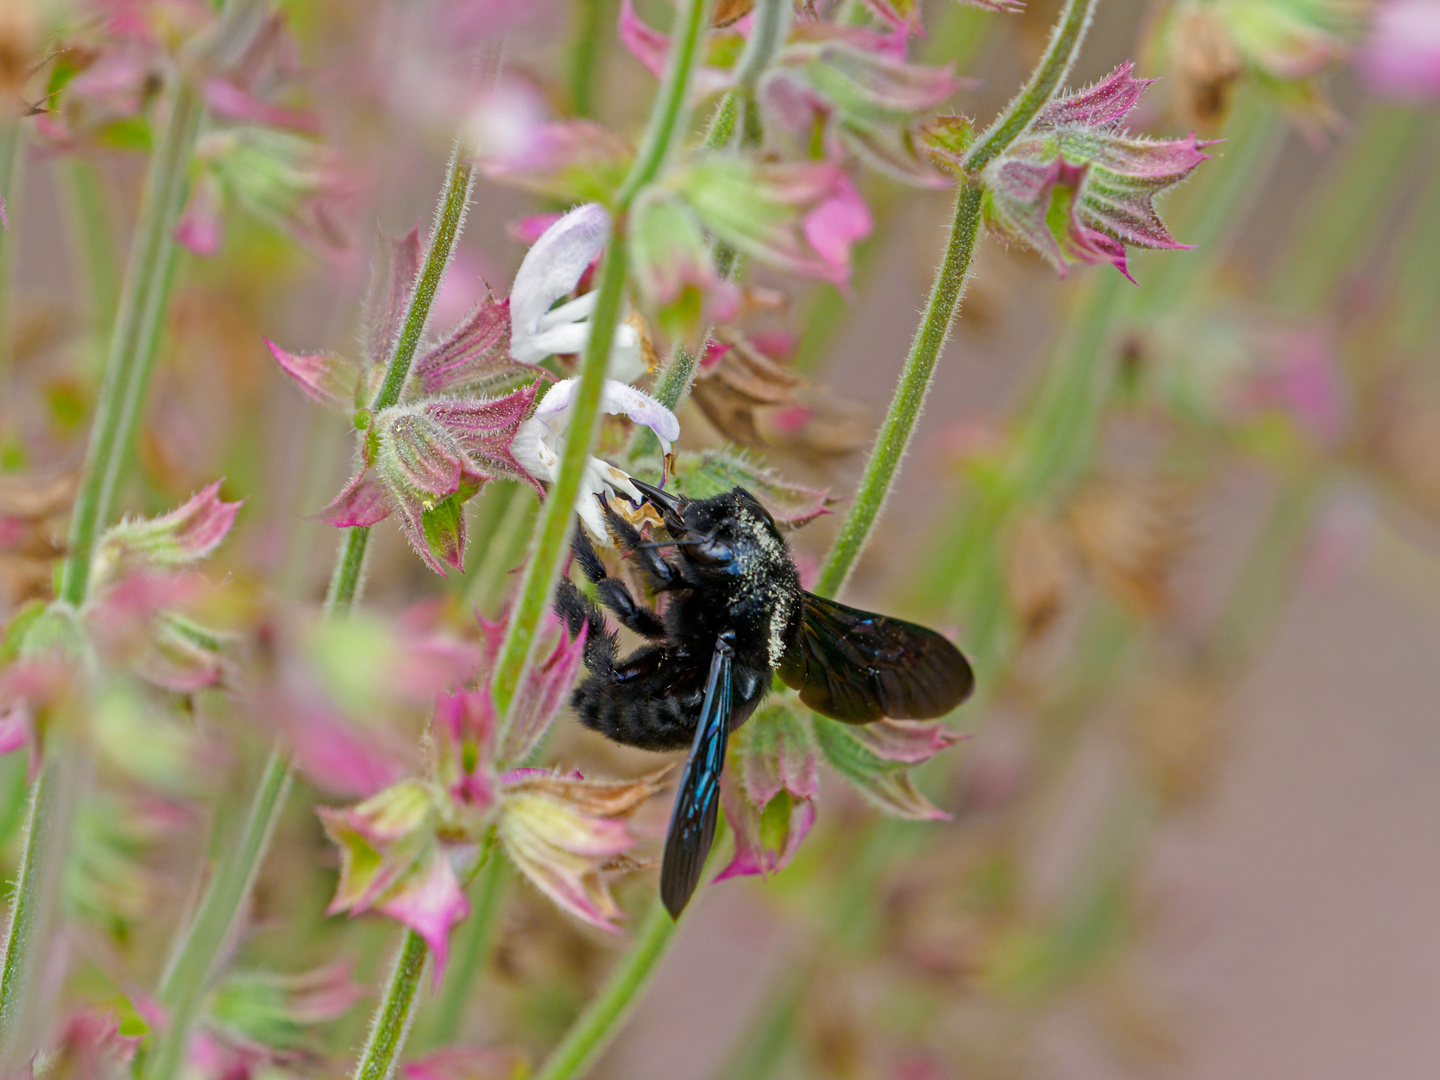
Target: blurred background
{"points": [[1186, 529]]}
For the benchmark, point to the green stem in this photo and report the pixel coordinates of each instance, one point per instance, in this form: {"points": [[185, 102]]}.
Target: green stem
{"points": [[551, 545], [33, 898], [91, 241], [134, 341], [591, 24], [397, 1009], [601, 1019], [593, 1029], [182, 986], [467, 957], [1046, 79], [770, 21], [666, 123], [910, 394], [184, 983], [12, 159], [945, 296]]}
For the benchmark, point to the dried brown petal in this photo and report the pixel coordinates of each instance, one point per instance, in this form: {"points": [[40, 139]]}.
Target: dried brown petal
{"points": [[756, 402], [1039, 574], [1403, 439], [602, 798], [1179, 732], [1205, 66], [1131, 534], [730, 11]]}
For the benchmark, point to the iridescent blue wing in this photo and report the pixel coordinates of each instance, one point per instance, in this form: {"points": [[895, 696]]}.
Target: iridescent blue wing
{"points": [[692, 821]]}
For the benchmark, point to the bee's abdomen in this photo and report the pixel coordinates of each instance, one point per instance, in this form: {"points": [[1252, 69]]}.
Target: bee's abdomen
{"points": [[635, 718]]}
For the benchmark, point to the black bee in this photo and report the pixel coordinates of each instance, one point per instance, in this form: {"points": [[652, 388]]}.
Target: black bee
{"points": [[736, 615]]}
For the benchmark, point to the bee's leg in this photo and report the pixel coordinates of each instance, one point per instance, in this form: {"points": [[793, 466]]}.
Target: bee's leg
{"points": [[613, 594], [578, 611], [660, 574]]}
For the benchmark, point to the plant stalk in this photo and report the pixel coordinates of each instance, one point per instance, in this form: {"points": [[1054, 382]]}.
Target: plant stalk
{"points": [[144, 297], [596, 1026], [945, 295], [550, 548], [396, 1012], [189, 970]]}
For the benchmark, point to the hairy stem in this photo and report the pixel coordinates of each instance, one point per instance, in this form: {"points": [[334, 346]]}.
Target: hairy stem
{"points": [[396, 1012], [12, 157], [551, 545], [597, 1025], [1045, 80], [214, 919], [134, 342], [467, 957], [183, 984], [945, 294], [32, 898]]}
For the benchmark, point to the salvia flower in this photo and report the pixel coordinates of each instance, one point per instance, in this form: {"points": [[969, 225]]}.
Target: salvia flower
{"points": [[551, 269], [1077, 188], [1283, 46], [288, 180], [858, 86], [179, 539], [540, 442], [405, 850], [852, 83], [424, 457], [800, 218]]}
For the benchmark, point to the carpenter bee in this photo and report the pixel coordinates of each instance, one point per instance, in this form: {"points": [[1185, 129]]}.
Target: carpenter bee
{"points": [[735, 616]]}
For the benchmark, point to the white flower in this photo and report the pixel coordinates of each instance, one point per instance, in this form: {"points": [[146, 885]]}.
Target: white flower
{"points": [[551, 269], [540, 442]]}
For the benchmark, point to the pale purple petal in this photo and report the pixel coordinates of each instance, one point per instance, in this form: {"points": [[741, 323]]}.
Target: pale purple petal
{"points": [[836, 224], [551, 269], [430, 905]]}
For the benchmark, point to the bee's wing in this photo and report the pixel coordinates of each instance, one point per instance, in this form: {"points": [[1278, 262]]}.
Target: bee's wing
{"points": [[857, 666], [692, 821]]}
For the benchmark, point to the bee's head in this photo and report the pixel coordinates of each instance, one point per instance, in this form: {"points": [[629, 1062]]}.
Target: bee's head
{"points": [[727, 535]]}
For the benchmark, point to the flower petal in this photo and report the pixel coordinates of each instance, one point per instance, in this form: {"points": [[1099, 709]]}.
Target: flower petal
{"points": [[430, 904], [551, 269]]}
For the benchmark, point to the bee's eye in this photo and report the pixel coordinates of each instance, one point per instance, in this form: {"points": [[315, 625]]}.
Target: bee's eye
{"points": [[708, 551]]}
